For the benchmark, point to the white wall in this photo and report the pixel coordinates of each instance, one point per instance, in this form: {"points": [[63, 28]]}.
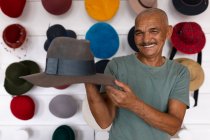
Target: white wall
{"points": [[36, 21]]}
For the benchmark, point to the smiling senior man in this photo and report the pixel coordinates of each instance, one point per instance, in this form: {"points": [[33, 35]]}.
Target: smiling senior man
{"points": [[151, 93]]}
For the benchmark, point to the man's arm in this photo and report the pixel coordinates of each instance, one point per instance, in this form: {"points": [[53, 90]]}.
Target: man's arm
{"points": [[169, 122], [101, 106]]}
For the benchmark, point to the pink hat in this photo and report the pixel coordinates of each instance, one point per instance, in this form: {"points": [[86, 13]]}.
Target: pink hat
{"points": [[140, 5]]}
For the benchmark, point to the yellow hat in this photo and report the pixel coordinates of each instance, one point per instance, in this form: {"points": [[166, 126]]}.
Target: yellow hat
{"points": [[102, 10]]}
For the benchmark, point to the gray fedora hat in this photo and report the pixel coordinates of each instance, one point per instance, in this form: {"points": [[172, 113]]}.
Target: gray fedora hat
{"points": [[69, 61]]}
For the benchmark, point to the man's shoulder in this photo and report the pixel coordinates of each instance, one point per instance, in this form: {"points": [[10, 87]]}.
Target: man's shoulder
{"points": [[176, 66]]}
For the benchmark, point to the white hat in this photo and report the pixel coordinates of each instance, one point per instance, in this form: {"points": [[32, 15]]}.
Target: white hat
{"points": [[88, 117]]}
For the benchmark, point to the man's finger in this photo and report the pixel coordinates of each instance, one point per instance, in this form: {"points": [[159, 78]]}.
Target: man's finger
{"points": [[123, 86]]}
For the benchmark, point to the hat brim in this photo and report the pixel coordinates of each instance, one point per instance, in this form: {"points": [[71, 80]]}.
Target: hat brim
{"points": [[137, 7], [17, 89], [131, 41], [190, 9], [47, 80], [193, 66]]}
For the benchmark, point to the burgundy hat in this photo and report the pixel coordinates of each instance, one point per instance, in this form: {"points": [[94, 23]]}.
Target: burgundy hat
{"points": [[56, 7], [188, 37], [12, 8], [14, 35], [22, 107]]}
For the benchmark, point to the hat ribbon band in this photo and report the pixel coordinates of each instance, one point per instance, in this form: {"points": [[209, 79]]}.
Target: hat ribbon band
{"points": [[67, 67], [144, 4]]}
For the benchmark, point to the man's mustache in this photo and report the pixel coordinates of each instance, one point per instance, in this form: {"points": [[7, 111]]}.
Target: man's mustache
{"points": [[147, 43]]}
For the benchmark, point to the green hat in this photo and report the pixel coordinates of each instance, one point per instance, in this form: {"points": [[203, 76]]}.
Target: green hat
{"points": [[63, 132], [15, 85]]}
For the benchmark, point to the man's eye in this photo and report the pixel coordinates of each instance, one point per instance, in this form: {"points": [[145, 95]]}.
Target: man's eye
{"points": [[154, 31], [139, 33]]}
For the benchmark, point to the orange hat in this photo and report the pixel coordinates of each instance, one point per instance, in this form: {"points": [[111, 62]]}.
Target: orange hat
{"points": [[102, 10]]}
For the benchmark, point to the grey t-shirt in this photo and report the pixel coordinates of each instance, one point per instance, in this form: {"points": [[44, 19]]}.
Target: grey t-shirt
{"points": [[155, 86]]}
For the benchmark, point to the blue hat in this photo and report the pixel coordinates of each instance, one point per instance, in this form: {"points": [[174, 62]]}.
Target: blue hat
{"points": [[104, 40], [57, 30]]}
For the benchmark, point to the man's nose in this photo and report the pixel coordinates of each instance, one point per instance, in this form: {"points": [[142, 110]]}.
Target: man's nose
{"points": [[146, 37]]}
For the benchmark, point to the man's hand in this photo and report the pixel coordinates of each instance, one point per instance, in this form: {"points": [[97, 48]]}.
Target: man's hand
{"points": [[122, 98]]}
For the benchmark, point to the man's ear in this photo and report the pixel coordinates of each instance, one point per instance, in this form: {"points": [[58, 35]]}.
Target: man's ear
{"points": [[170, 31]]}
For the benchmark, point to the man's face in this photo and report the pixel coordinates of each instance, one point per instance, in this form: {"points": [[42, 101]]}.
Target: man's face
{"points": [[150, 35]]}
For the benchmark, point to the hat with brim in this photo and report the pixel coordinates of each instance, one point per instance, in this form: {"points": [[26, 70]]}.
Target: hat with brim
{"points": [[14, 35], [190, 7], [22, 107], [88, 117], [15, 85], [196, 72], [20, 134], [104, 40], [12, 8], [188, 37], [57, 7], [57, 30], [131, 41], [69, 61], [140, 5], [63, 132], [102, 10], [63, 106]]}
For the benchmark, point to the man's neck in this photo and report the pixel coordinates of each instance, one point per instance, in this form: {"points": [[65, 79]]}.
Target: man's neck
{"points": [[151, 61]]}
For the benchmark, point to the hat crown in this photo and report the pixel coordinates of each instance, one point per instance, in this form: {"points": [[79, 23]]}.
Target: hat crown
{"points": [[70, 48], [14, 71], [190, 33], [147, 3]]}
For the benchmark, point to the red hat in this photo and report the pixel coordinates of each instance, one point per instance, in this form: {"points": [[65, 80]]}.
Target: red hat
{"points": [[57, 7], [14, 35], [22, 107], [188, 37], [12, 8]]}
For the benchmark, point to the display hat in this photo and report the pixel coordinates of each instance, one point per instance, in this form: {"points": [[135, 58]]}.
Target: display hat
{"points": [[12, 8], [104, 40], [69, 61], [188, 37], [57, 7], [190, 7], [22, 107], [57, 30], [100, 67], [140, 5], [196, 72], [15, 85], [88, 117], [14, 35], [131, 41], [63, 106], [102, 10], [20, 134], [63, 132]]}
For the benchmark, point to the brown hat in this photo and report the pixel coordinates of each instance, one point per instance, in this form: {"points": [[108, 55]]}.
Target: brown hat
{"points": [[57, 7], [69, 61], [140, 5], [196, 72]]}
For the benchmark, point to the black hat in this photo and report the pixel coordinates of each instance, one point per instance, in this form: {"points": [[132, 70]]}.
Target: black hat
{"points": [[190, 7]]}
